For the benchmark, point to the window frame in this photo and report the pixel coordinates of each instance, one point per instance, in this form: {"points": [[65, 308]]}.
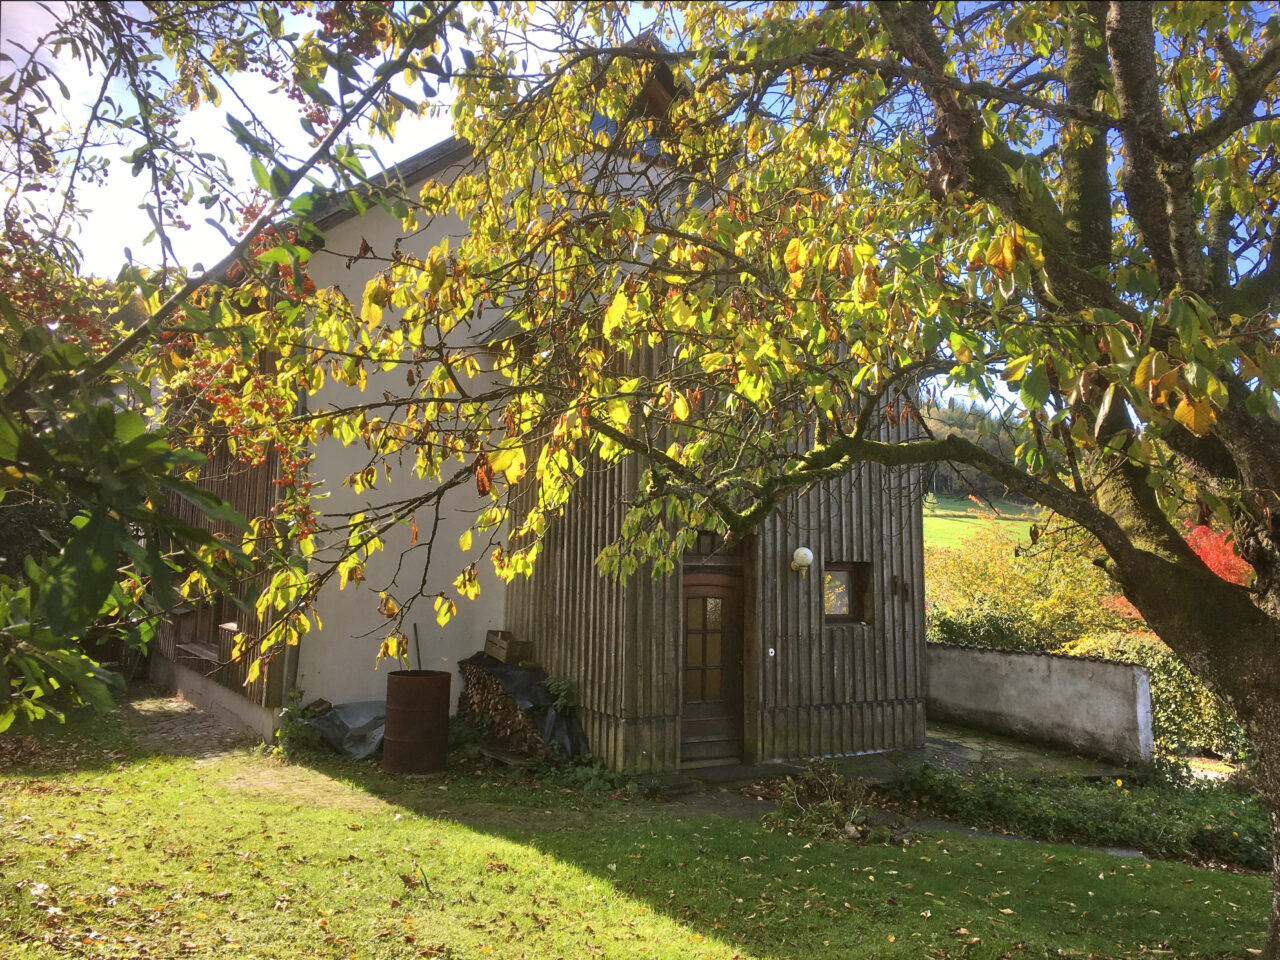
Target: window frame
{"points": [[860, 592]]}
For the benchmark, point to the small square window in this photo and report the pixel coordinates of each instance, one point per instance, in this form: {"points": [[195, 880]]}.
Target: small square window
{"points": [[846, 592]]}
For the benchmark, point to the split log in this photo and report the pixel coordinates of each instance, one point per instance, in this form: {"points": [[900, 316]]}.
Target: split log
{"points": [[494, 711]]}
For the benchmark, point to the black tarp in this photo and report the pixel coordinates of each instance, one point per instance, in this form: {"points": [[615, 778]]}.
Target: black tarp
{"points": [[353, 729]]}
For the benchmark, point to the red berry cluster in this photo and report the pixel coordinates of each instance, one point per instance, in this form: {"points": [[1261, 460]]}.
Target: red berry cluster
{"points": [[365, 27], [43, 292], [242, 399]]}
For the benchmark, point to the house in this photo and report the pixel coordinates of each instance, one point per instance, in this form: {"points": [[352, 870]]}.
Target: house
{"points": [[741, 654]]}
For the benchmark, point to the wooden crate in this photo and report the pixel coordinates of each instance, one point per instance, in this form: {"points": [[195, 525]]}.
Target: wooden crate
{"points": [[502, 645]]}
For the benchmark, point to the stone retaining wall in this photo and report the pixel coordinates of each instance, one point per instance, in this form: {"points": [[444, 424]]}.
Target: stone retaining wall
{"points": [[1092, 706]]}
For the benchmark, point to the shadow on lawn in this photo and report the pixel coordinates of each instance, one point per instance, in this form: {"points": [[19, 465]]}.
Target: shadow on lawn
{"points": [[734, 887], [761, 893], [144, 723]]}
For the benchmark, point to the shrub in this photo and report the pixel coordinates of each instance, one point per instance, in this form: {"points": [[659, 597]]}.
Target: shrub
{"points": [[1185, 716], [822, 804], [1052, 597], [465, 739], [1215, 548], [981, 629], [294, 735], [31, 527], [1202, 822], [996, 592], [585, 773]]}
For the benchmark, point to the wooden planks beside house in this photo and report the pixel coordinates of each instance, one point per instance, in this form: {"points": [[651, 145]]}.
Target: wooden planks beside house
{"points": [[198, 636]]}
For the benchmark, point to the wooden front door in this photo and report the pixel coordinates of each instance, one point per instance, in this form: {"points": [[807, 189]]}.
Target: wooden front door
{"points": [[711, 724]]}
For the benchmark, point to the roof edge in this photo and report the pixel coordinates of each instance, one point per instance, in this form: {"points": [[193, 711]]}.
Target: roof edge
{"points": [[412, 170]]}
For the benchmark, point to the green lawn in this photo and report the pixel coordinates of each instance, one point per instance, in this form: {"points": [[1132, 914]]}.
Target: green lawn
{"points": [[954, 519], [246, 856]]}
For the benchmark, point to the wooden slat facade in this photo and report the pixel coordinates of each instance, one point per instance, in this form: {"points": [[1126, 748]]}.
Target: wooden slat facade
{"points": [[826, 690], [192, 637]]}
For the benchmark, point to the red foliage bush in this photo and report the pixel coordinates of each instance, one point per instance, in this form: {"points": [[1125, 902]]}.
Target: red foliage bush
{"points": [[1211, 546], [1214, 548]]}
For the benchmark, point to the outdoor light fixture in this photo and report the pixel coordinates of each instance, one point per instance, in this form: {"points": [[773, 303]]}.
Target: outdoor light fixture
{"points": [[802, 559]]}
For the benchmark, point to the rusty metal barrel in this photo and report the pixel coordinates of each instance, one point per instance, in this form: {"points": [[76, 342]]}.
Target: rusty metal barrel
{"points": [[417, 733]]}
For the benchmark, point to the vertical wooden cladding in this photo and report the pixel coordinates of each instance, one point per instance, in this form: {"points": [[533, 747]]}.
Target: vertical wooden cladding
{"points": [[841, 688], [810, 688], [193, 637], [582, 624]]}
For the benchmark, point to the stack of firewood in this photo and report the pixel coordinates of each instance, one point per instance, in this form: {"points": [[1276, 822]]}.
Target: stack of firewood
{"points": [[492, 710]]}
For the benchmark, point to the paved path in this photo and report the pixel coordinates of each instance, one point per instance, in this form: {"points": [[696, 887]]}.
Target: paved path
{"points": [[955, 748], [173, 726]]}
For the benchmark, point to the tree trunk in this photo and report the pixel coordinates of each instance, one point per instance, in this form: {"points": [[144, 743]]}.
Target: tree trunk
{"points": [[1243, 670], [1227, 635], [1269, 774]]}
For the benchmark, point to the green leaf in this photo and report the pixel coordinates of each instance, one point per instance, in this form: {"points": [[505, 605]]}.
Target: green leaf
{"points": [[1035, 388], [243, 135], [281, 181], [207, 501], [9, 315], [1119, 346], [1185, 321], [83, 576], [8, 439], [129, 426], [260, 175], [311, 86], [285, 253]]}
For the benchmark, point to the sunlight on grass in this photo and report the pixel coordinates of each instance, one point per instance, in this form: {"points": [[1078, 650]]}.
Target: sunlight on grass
{"points": [[952, 520], [249, 857]]}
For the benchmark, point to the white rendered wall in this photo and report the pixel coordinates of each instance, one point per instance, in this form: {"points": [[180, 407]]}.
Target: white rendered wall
{"points": [[1093, 706], [339, 663]]}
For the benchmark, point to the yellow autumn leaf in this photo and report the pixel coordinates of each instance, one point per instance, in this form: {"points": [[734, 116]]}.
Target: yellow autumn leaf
{"points": [[1196, 415], [796, 256], [514, 470], [1158, 389], [11, 476], [616, 313], [994, 256], [679, 407], [1144, 372], [464, 541], [1004, 251], [1016, 369], [868, 286], [375, 298], [509, 459], [618, 411]]}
